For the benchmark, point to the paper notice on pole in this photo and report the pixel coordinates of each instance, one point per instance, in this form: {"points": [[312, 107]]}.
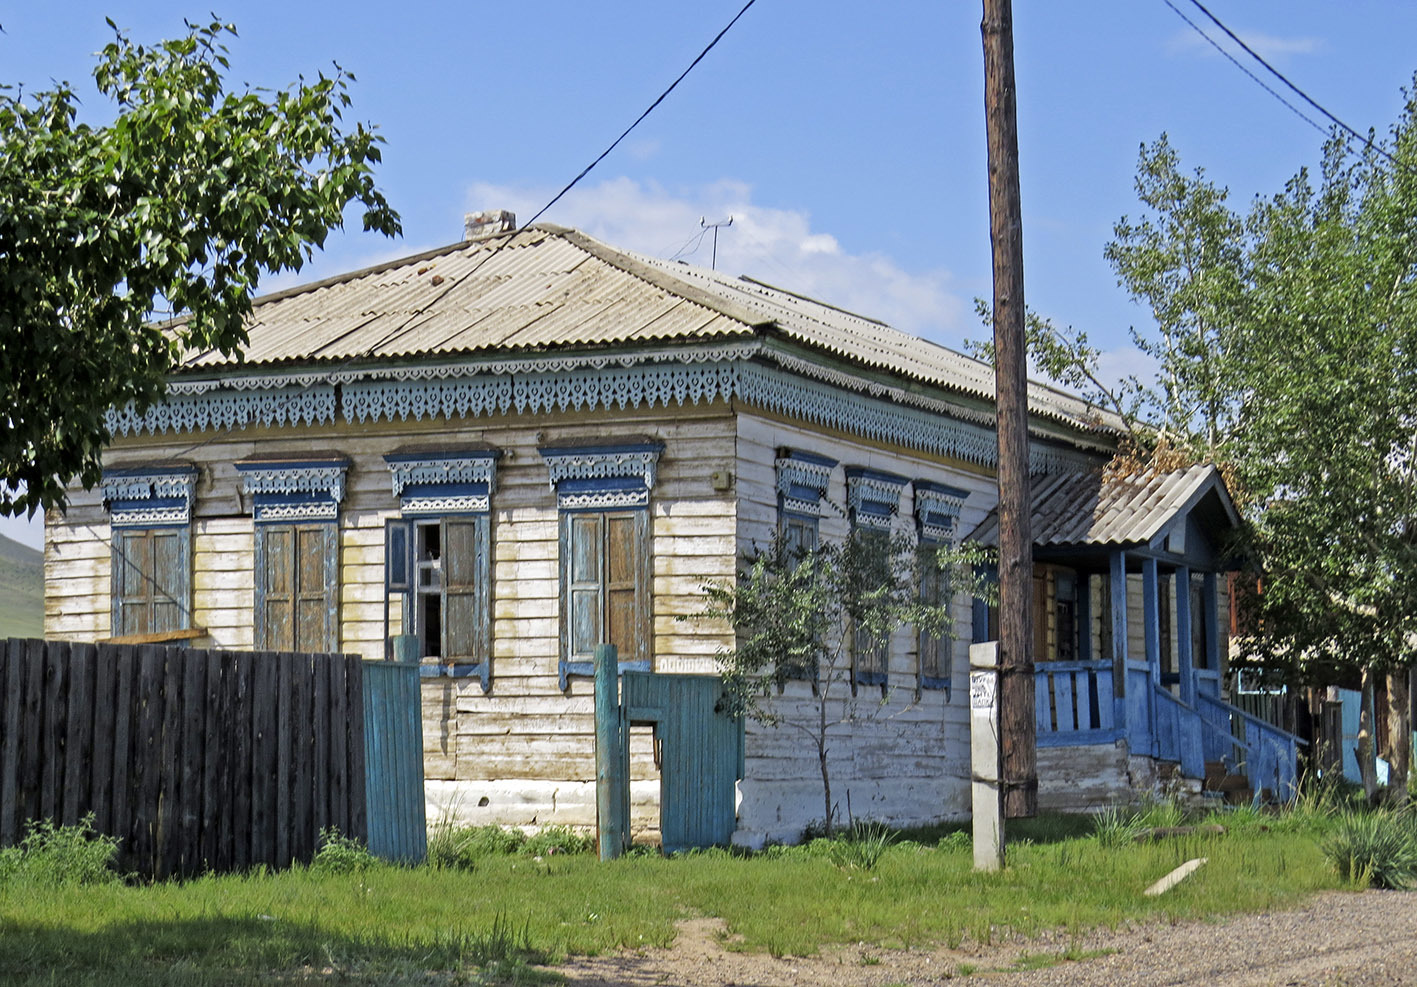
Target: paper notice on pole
{"points": [[982, 689]]}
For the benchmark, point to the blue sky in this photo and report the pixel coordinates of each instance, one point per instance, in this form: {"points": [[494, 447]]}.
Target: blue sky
{"points": [[845, 139]]}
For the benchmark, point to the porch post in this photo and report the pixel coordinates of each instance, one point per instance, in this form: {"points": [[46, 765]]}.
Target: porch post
{"points": [[1151, 618], [1117, 576], [1084, 627], [1184, 659], [1210, 603]]}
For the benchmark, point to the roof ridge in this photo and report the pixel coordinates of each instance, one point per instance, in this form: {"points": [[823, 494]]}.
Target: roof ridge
{"points": [[661, 279]]}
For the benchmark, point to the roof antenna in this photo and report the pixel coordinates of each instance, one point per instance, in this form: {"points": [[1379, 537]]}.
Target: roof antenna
{"points": [[705, 225]]}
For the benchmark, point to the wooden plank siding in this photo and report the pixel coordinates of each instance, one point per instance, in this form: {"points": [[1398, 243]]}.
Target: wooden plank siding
{"points": [[693, 537], [905, 760], [523, 752]]}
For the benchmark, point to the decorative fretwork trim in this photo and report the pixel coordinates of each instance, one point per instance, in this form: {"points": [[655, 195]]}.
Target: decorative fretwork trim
{"points": [[228, 409], [150, 517], [602, 500], [321, 477], [294, 490], [603, 462], [478, 468], [426, 505], [937, 510], [874, 497], [144, 498], [802, 481], [840, 401]]}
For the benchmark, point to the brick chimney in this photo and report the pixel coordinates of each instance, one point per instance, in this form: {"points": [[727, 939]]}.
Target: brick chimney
{"points": [[488, 222]]}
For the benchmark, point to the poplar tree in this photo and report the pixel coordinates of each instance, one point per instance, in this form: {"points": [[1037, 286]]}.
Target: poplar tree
{"points": [[178, 206]]}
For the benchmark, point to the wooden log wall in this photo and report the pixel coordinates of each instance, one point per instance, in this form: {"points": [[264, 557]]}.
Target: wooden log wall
{"points": [[196, 760]]}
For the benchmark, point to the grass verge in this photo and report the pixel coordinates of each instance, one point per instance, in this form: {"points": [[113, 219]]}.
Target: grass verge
{"points": [[389, 925]]}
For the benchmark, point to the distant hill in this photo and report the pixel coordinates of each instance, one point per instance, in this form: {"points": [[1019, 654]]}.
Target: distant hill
{"points": [[21, 590]]}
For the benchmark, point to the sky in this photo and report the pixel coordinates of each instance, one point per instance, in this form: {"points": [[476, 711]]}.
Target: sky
{"points": [[845, 140]]}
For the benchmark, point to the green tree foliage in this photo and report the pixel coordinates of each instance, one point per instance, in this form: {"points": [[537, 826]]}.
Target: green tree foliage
{"points": [[798, 614], [180, 204], [1286, 341]]}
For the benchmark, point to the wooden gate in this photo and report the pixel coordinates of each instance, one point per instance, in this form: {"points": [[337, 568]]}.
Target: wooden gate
{"points": [[700, 754]]}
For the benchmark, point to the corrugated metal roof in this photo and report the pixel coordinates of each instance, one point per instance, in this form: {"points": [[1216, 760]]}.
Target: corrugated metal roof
{"points": [[1088, 508], [546, 287]]}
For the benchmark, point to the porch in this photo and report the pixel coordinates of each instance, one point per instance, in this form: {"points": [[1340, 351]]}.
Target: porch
{"points": [[1129, 642]]}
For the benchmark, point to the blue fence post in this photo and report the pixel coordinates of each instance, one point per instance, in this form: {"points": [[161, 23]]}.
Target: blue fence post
{"points": [[611, 779]]}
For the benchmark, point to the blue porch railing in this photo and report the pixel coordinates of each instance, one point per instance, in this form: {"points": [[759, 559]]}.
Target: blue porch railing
{"points": [[1075, 703], [1263, 752]]}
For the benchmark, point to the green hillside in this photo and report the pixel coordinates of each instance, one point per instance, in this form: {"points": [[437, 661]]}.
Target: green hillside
{"points": [[21, 590]]}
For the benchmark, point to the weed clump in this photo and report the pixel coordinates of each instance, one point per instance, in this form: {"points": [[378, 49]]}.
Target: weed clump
{"points": [[60, 856], [460, 847], [340, 854], [1377, 848]]}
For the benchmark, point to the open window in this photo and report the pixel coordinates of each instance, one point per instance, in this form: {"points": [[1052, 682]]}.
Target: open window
{"points": [[438, 560]]}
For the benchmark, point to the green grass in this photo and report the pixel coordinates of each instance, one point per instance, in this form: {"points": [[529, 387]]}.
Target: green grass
{"points": [[390, 925], [21, 590]]}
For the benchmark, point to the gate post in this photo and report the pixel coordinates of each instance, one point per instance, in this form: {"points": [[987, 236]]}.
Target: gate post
{"points": [[611, 778]]}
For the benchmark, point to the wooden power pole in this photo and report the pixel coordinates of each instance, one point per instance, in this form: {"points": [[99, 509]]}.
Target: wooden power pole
{"points": [[1016, 724]]}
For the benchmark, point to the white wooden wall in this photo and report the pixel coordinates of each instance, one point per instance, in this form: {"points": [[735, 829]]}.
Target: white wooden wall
{"points": [[523, 754], [901, 760]]}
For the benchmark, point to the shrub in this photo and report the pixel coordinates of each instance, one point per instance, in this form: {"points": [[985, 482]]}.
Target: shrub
{"points": [[339, 854], [960, 839], [1377, 848], [54, 856]]}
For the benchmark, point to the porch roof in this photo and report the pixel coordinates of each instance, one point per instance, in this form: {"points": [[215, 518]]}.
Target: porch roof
{"points": [[1094, 508]]}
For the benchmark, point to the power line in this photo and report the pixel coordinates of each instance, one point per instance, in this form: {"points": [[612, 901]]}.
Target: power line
{"points": [[398, 330], [646, 113], [1236, 62], [1367, 141]]}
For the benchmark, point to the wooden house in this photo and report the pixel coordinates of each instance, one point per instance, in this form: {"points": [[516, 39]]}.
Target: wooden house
{"points": [[528, 442]]}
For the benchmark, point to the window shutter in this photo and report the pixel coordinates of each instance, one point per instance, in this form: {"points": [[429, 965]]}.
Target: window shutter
{"points": [[398, 555], [625, 571], [583, 536], [465, 564], [133, 564], [313, 619], [275, 596]]}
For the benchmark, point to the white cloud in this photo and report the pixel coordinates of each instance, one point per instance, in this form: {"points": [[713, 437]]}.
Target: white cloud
{"points": [[1270, 47], [778, 246]]}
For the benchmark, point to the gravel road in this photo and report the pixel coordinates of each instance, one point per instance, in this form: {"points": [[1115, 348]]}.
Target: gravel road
{"points": [[1336, 940]]}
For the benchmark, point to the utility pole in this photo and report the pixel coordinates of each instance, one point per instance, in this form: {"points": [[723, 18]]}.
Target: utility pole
{"points": [[1016, 724]]}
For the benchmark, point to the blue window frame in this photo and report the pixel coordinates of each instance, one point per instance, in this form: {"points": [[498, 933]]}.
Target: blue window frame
{"points": [[150, 516], [873, 502], [605, 552], [438, 560], [295, 511], [937, 509]]}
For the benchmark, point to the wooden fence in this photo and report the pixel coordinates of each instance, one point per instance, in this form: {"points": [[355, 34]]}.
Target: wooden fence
{"points": [[195, 760]]}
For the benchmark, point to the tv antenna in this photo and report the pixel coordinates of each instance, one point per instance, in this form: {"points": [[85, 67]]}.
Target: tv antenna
{"points": [[704, 224]]}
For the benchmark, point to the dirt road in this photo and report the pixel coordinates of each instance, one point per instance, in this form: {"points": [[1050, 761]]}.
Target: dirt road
{"points": [[1337, 940]]}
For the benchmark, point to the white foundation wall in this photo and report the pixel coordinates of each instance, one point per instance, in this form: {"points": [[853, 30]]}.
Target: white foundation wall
{"points": [[900, 758], [522, 754]]}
